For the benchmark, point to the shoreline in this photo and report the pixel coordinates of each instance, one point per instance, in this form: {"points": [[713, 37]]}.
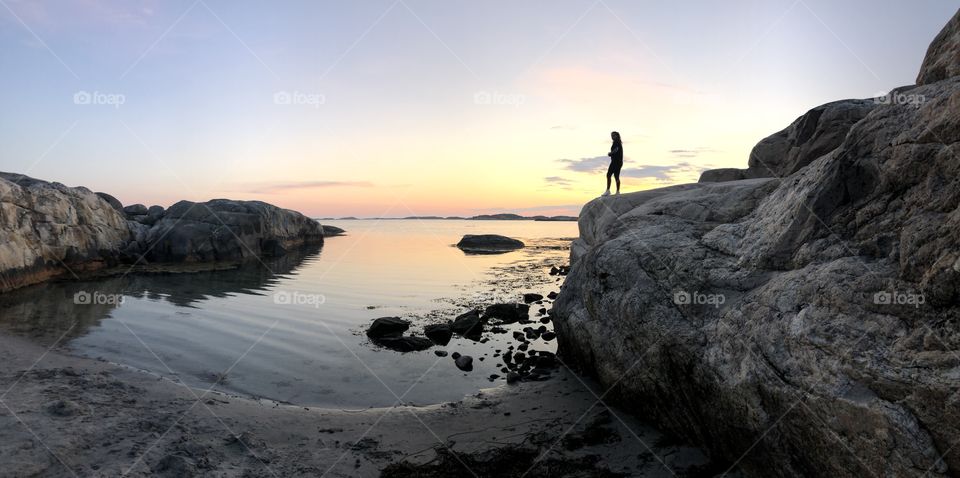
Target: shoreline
{"points": [[65, 415], [75, 415]]}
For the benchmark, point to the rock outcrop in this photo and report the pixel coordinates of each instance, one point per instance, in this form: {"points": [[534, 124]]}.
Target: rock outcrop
{"points": [[48, 230], [809, 137], [941, 61], [803, 326], [225, 230]]}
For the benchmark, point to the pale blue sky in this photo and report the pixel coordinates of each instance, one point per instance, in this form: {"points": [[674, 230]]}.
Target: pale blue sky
{"points": [[390, 122]]}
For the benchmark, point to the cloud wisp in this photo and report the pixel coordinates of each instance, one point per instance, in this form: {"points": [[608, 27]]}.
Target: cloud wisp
{"points": [[586, 165], [681, 171]]}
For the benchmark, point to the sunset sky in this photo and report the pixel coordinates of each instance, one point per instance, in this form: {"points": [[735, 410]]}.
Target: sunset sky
{"points": [[417, 107]]}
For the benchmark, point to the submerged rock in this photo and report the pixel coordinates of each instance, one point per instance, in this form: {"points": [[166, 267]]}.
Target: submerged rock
{"points": [[464, 362], [804, 326], [488, 243], [407, 343]]}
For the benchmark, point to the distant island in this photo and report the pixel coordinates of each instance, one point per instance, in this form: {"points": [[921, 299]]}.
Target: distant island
{"points": [[482, 217]]}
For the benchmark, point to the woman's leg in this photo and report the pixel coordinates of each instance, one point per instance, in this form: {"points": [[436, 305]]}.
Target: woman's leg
{"points": [[616, 174], [610, 173]]}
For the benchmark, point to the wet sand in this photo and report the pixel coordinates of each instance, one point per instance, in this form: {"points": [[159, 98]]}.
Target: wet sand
{"points": [[62, 415]]}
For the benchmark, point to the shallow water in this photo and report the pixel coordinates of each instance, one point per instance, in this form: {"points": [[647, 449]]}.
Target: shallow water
{"points": [[291, 330]]}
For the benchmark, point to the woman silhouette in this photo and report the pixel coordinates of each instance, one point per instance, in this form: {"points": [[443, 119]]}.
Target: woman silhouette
{"points": [[616, 162]]}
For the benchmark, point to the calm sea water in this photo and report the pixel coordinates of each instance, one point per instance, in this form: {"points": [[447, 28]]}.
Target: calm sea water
{"points": [[292, 330]]}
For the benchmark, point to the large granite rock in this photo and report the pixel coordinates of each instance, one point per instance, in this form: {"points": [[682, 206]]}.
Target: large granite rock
{"points": [[226, 230], [809, 137], [943, 56], [808, 326], [48, 230]]}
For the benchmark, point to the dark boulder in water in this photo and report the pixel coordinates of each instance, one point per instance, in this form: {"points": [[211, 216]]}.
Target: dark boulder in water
{"points": [[439, 333], [488, 243], [531, 297], [507, 313], [464, 362], [468, 324], [387, 326]]}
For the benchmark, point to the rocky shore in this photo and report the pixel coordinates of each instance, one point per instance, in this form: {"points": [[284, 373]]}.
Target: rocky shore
{"points": [[69, 416], [799, 317], [49, 230]]}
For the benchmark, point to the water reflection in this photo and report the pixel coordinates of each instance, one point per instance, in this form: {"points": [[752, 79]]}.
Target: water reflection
{"points": [[198, 326], [51, 310]]}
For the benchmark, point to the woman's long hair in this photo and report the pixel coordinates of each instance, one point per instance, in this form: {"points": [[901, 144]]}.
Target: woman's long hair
{"points": [[616, 136]]}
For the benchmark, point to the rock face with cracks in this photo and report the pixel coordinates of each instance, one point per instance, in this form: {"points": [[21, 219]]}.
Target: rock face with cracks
{"points": [[801, 326], [48, 230]]}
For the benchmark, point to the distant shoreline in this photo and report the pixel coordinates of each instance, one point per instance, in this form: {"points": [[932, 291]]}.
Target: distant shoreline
{"points": [[482, 217]]}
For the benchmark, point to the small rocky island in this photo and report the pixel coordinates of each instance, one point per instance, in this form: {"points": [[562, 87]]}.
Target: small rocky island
{"points": [[488, 244]]}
